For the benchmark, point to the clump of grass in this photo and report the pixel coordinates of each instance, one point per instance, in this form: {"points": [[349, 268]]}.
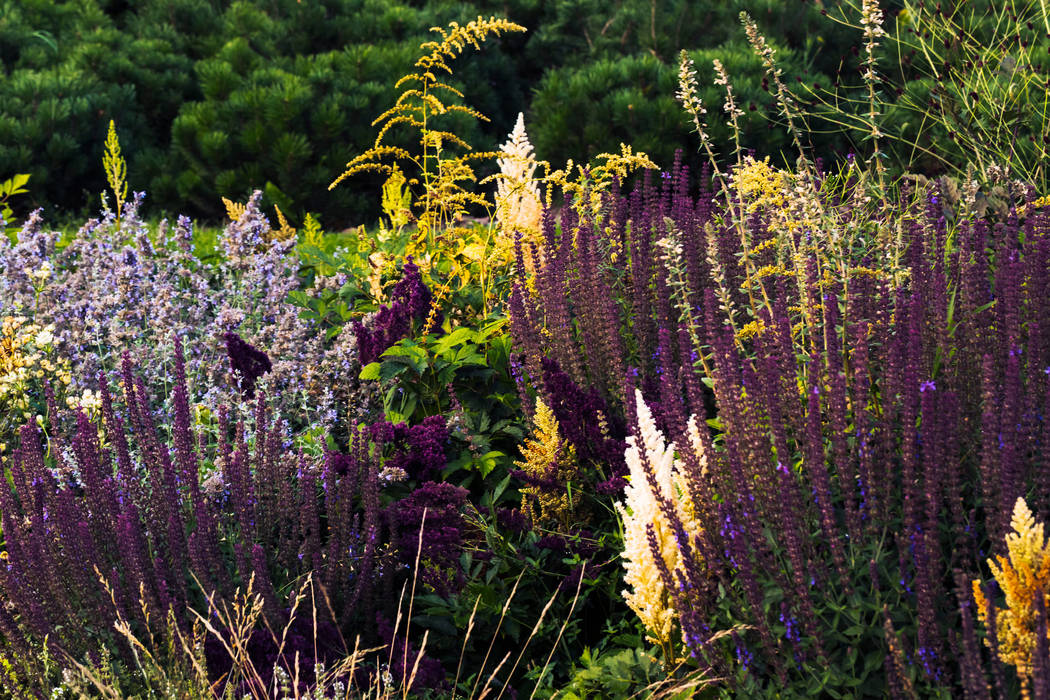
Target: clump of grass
{"points": [[970, 88], [181, 663]]}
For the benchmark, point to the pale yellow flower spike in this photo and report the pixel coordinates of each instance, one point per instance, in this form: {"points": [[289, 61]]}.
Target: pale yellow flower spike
{"points": [[1022, 574], [647, 595], [546, 454], [518, 205]]}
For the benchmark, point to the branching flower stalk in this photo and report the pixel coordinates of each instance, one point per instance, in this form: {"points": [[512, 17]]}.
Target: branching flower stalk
{"points": [[688, 94], [788, 105], [583, 186], [425, 97], [730, 107], [677, 278]]}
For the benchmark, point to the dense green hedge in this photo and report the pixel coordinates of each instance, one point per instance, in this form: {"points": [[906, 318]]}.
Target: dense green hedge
{"points": [[213, 99]]}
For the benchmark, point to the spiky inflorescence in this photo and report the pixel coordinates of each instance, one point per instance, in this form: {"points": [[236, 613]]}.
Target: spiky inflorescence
{"points": [[652, 464], [1023, 574], [689, 95], [549, 464], [144, 527], [518, 204], [116, 168]]}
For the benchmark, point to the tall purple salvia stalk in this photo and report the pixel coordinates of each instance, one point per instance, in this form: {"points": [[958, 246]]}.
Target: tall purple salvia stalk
{"points": [[869, 432], [132, 514]]}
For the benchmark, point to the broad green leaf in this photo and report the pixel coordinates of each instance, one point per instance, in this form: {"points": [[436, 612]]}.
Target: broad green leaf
{"points": [[445, 343]]}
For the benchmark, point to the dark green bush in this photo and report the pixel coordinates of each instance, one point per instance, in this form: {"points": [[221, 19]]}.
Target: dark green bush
{"points": [[592, 109], [213, 99]]}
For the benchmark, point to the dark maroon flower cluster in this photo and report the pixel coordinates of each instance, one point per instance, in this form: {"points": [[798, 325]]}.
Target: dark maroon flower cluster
{"points": [[419, 449], [247, 362], [409, 301], [435, 509], [512, 520]]}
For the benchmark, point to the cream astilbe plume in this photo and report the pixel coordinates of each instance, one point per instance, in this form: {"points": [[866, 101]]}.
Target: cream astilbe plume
{"points": [[518, 204], [647, 595]]}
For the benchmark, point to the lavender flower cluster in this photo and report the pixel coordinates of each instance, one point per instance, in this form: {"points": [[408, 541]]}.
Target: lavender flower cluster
{"points": [[120, 286]]}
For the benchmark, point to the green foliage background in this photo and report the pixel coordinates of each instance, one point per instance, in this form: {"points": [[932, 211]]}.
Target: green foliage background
{"points": [[213, 98]]}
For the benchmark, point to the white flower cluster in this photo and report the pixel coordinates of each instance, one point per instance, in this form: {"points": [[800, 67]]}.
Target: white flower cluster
{"points": [[641, 512], [518, 204]]}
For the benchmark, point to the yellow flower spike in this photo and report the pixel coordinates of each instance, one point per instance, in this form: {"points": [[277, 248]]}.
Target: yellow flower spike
{"points": [[234, 210], [116, 168], [548, 455], [1022, 574], [284, 230]]}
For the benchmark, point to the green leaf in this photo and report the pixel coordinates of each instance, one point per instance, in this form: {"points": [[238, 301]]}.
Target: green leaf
{"points": [[467, 355], [502, 486], [405, 348], [415, 358], [486, 332], [370, 371], [391, 370], [445, 343], [15, 184]]}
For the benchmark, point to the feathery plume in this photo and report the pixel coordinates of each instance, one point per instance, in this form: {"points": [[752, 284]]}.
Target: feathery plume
{"points": [[642, 515]]}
